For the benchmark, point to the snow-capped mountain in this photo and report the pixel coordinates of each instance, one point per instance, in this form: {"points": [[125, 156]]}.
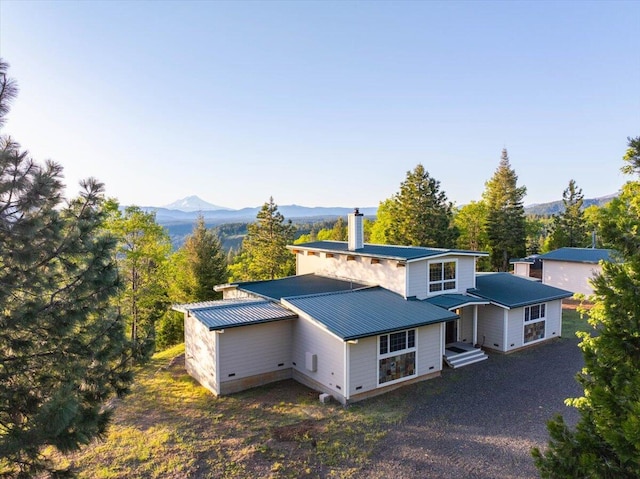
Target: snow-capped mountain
{"points": [[193, 203]]}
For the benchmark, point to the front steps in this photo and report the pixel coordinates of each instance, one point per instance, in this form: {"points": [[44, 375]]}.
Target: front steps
{"points": [[458, 360]]}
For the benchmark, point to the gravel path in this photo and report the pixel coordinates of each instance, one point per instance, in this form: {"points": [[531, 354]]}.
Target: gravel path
{"points": [[481, 421]]}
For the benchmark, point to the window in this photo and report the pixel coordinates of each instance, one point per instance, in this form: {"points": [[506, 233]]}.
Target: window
{"points": [[534, 322], [442, 276], [397, 356]]}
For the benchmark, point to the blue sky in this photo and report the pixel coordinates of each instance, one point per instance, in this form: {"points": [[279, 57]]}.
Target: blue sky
{"points": [[324, 103]]}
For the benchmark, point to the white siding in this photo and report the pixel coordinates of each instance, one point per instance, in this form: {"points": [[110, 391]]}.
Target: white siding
{"points": [[363, 357], [257, 349], [308, 337], [465, 325], [573, 277], [429, 352], [417, 276], [490, 327], [466, 273], [234, 293], [515, 333], [554, 319], [521, 269], [200, 353], [385, 274], [417, 279]]}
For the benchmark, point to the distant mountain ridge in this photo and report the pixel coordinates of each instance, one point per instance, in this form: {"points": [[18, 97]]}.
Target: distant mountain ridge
{"points": [[193, 203], [555, 207]]}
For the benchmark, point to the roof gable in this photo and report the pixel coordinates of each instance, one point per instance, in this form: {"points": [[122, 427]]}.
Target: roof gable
{"points": [[513, 291]]}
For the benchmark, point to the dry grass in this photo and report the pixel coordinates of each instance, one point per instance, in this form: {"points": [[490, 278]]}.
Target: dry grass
{"points": [[171, 427]]}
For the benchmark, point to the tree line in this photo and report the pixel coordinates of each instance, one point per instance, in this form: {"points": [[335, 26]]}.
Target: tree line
{"points": [[86, 289]]}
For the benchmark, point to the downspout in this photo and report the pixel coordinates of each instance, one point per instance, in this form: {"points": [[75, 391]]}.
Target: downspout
{"points": [[504, 329], [475, 324], [347, 387]]}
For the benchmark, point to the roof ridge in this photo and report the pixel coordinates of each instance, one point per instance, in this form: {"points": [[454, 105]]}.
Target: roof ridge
{"points": [[315, 295]]}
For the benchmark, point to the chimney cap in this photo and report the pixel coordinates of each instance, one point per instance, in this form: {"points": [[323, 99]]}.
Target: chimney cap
{"points": [[357, 212]]}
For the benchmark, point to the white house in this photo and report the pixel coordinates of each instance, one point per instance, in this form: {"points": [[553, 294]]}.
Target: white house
{"points": [[573, 268], [359, 319]]}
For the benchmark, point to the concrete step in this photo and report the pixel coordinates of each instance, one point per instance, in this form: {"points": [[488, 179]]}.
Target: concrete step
{"points": [[466, 358]]}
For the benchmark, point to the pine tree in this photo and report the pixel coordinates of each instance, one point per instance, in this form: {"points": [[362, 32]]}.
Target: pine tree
{"points": [[264, 254], [569, 227], [420, 214], [339, 231], [470, 220], [63, 352], [505, 215], [206, 261], [606, 440]]}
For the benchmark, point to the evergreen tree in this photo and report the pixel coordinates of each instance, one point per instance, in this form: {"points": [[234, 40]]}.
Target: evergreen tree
{"points": [[264, 254], [63, 352], [143, 251], [381, 228], [505, 215], [339, 232], [205, 262], [470, 220], [420, 214], [606, 440], [569, 227]]}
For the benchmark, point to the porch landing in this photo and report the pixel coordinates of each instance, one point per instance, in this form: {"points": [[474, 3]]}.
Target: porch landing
{"points": [[460, 354]]}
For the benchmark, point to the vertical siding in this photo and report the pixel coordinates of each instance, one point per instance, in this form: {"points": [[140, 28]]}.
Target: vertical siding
{"points": [[490, 325], [307, 337], [236, 294], [257, 349], [573, 277], [385, 274], [200, 353]]}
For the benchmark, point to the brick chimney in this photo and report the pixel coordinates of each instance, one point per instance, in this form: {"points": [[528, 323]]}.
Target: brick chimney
{"points": [[355, 231]]}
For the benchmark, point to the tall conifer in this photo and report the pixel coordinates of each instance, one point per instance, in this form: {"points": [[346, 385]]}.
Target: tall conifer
{"points": [[63, 352], [505, 224], [606, 440]]}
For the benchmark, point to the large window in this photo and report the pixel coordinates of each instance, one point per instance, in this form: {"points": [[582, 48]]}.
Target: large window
{"points": [[396, 356], [442, 276], [534, 322]]}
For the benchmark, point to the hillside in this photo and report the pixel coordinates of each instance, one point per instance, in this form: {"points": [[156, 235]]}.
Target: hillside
{"points": [[171, 427], [555, 207]]}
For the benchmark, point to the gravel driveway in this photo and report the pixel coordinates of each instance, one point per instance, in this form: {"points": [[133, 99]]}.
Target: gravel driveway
{"points": [[481, 421]]}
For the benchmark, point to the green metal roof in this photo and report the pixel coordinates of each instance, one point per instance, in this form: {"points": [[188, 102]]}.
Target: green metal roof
{"points": [[513, 291], [297, 286], [579, 255], [399, 253], [230, 313], [453, 301], [367, 312]]}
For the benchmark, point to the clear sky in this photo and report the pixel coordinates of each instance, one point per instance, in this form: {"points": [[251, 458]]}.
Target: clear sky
{"points": [[324, 103]]}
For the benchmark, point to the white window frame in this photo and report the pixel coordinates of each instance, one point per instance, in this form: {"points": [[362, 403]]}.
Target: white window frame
{"points": [[443, 280], [390, 354], [542, 318]]}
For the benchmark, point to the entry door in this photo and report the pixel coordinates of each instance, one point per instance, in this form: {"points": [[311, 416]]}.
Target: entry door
{"points": [[451, 332]]}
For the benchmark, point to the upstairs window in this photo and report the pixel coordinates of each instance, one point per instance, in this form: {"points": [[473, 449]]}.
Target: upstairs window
{"points": [[442, 276]]}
